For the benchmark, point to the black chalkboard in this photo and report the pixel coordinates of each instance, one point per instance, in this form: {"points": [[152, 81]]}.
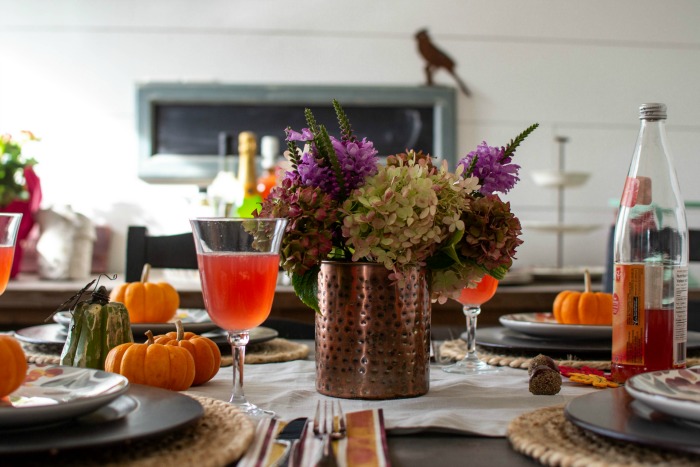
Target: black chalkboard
{"points": [[193, 129], [179, 124]]}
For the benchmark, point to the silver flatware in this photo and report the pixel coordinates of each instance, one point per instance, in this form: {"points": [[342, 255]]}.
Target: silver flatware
{"points": [[327, 428], [289, 437]]}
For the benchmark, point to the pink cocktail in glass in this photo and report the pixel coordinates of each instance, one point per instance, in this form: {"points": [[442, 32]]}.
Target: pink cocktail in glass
{"points": [[238, 263], [471, 299], [240, 287], [9, 225]]}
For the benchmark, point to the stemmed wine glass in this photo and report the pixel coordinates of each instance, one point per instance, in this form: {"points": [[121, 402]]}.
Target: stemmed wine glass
{"points": [[472, 298], [9, 225], [238, 263]]}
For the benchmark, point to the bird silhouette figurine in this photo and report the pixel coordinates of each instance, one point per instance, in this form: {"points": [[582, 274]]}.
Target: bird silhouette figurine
{"points": [[437, 59]]}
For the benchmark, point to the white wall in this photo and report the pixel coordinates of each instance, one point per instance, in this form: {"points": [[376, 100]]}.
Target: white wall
{"points": [[580, 69]]}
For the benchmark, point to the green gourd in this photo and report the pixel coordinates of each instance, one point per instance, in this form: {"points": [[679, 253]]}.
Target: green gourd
{"points": [[97, 326]]}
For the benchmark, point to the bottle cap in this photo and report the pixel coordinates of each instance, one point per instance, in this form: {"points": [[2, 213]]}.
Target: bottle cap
{"points": [[652, 111]]}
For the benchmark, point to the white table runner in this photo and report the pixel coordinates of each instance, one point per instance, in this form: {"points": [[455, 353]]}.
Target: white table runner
{"points": [[478, 404]]}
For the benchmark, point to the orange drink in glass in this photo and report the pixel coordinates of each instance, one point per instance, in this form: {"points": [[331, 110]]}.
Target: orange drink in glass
{"points": [[9, 225], [471, 299], [238, 263]]}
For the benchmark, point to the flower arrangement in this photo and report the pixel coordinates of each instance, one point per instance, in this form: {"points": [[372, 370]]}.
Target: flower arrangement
{"points": [[343, 205], [13, 185]]}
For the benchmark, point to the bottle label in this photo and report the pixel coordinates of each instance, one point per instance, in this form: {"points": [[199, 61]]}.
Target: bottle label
{"points": [[629, 193], [649, 327], [637, 191], [628, 314], [680, 315]]}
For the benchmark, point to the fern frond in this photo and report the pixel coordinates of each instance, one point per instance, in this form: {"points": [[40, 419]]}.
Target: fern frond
{"points": [[325, 147], [293, 151], [514, 143], [470, 169], [311, 121], [343, 122]]}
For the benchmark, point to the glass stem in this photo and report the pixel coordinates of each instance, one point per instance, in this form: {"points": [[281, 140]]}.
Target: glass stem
{"points": [[238, 341], [471, 312]]}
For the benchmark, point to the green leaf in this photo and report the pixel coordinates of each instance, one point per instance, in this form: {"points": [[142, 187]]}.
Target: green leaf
{"points": [[306, 287], [499, 273], [440, 260]]}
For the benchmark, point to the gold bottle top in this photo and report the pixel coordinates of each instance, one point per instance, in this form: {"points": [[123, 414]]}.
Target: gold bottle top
{"points": [[247, 148]]}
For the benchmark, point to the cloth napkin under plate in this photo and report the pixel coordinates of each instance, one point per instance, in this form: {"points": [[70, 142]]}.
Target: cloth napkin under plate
{"points": [[364, 446]]}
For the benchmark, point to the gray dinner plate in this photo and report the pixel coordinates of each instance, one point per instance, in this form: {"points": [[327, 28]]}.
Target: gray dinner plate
{"points": [[193, 320], [501, 338], [257, 335], [158, 411], [615, 414]]}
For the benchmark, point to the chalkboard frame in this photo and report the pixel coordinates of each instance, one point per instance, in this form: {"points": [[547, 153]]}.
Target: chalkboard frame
{"points": [[200, 169]]}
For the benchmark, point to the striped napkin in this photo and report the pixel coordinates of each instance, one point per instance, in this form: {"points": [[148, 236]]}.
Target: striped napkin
{"points": [[364, 446]]}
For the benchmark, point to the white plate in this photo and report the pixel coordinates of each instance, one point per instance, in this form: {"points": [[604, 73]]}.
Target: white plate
{"points": [[53, 393], [194, 320], [555, 178], [673, 392], [544, 325], [567, 273], [556, 227]]}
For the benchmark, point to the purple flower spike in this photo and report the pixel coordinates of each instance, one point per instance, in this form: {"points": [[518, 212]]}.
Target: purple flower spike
{"points": [[305, 135], [357, 159], [495, 173]]}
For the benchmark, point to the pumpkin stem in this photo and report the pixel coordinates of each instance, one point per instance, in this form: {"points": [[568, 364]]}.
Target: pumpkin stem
{"points": [[100, 296], [145, 272], [180, 330], [150, 340], [587, 280]]}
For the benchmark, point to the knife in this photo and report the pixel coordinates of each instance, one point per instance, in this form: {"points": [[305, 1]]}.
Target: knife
{"points": [[289, 436]]}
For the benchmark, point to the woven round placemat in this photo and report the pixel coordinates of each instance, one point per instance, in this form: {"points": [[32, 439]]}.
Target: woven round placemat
{"points": [[549, 438], [220, 437], [272, 351], [454, 350]]}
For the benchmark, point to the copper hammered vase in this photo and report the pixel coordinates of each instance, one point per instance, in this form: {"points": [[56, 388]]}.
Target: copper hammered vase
{"points": [[372, 337]]}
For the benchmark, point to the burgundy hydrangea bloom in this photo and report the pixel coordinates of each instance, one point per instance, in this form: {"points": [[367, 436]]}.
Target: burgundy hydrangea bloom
{"points": [[492, 233], [312, 216], [495, 173]]}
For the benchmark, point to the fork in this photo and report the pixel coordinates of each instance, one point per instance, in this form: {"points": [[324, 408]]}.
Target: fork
{"points": [[327, 430]]}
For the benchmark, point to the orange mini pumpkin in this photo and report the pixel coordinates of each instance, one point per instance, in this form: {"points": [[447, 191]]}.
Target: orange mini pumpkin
{"points": [[13, 369], [147, 302], [587, 307], [162, 366], [206, 354]]}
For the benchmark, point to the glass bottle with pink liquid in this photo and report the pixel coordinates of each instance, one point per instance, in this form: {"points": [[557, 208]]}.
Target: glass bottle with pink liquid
{"points": [[650, 281]]}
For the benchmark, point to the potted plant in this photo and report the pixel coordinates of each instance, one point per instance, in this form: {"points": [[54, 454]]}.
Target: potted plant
{"points": [[20, 188], [408, 231]]}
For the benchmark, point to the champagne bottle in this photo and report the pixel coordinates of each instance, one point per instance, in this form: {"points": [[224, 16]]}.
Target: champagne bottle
{"points": [[251, 200], [650, 282]]}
